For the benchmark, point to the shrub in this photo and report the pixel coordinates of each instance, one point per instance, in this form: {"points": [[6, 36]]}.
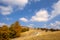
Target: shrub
{"points": [[15, 30], [25, 29]]}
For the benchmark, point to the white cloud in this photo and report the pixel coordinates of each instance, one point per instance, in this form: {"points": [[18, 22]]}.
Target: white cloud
{"points": [[55, 25], [41, 15], [31, 25], [5, 10], [8, 19], [1, 24], [23, 19], [20, 3], [56, 11], [10, 4], [45, 26]]}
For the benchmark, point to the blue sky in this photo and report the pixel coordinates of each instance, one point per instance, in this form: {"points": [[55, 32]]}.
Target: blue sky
{"points": [[36, 13]]}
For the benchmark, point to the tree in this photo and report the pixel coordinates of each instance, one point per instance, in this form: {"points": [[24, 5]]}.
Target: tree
{"points": [[4, 32], [15, 30], [5, 28]]}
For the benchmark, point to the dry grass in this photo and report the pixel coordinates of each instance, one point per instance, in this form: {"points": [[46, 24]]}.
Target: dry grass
{"points": [[48, 36], [39, 35]]}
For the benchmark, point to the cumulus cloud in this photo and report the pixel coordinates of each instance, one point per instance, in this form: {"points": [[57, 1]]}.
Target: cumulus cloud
{"points": [[23, 19], [31, 25], [20, 3], [45, 26], [56, 10], [55, 25], [1, 24], [5, 10], [41, 15], [8, 19]]}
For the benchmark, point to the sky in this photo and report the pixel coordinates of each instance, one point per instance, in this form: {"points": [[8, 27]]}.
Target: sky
{"points": [[31, 13]]}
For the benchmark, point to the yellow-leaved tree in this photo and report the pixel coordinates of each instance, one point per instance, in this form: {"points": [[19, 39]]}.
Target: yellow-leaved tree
{"points": [[15, 30]]}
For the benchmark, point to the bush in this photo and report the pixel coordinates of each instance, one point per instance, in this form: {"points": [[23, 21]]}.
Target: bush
{"points": [[12, 34], [15, 30], [6, 33], [25, 29]]}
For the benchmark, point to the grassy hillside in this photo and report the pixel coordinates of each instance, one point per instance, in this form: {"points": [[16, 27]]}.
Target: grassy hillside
{"points": [[39, 35], [48, 36]]}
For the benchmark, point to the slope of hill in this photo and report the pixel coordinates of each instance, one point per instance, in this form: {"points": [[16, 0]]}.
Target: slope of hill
{"points": [[39, 35]]}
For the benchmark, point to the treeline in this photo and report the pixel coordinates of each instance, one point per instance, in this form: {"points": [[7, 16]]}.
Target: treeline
{"points": [[6, 33], [46, 29]]}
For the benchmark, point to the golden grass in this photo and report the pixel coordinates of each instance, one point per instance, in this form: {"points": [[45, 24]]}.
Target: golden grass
{"points": [[46, 36], [32, 35]]}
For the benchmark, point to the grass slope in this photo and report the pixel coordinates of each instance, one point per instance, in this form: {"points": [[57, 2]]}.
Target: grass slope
{"points": [[39, 35], [50, 36]]}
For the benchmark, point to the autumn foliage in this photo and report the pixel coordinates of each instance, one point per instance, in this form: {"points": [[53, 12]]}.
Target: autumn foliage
{"points": [[6, 33]]}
